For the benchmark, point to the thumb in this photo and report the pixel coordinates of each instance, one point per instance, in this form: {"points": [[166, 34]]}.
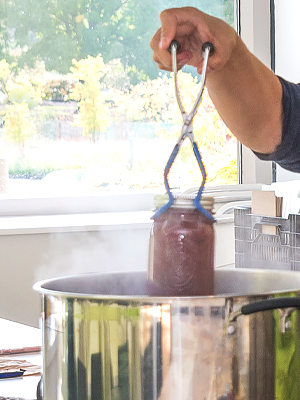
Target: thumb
{"points": [[168, 29]]}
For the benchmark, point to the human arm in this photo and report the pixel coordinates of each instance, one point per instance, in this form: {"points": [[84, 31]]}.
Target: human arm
{"points": [[247, 94], [287, 155]]}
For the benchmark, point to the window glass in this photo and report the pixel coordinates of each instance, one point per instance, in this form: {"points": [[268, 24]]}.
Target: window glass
{"points": [[83, 107]]}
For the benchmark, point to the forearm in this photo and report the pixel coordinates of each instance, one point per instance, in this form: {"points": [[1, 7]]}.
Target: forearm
{"points": [[248, 97]]}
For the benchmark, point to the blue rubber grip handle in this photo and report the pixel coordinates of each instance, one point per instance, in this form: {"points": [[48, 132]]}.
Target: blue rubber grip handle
{"points": [[167, 186], [197, 201]]}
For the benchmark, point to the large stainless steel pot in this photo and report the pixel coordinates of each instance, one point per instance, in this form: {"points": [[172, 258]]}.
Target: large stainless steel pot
{"points": [[104, 338]]}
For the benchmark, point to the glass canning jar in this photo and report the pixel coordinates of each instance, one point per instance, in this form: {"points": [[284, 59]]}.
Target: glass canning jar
{"points": [[181, 249]]}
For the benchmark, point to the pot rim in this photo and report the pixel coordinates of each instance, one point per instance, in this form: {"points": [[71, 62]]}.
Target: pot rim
{"points": [[144, 298]]}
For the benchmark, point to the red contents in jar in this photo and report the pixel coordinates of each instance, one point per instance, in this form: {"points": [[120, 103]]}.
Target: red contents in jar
{"points": [[181, 258]]}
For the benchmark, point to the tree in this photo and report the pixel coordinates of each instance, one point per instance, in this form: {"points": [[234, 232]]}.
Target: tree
{"points": [[5, 75], [57, 31], [46, 30], [23, 94], [154, 101], [221, 9], [18, 123], [4, 35], [20, 89], [93, 111]]}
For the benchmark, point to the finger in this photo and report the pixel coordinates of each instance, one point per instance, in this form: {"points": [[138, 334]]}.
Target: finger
{"points": [[154, 43], [168, 28], [164, 67], [160, 64], [161, 57], [156, 59]]}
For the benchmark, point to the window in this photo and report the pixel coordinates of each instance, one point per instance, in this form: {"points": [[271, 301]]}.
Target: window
{"points": [[84, 109]]}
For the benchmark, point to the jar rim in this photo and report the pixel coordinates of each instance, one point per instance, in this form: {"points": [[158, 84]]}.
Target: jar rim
{"points": [[184, 201]]}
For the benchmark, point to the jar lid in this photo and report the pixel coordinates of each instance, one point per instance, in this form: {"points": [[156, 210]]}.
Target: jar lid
{"points": [[184, 201]]}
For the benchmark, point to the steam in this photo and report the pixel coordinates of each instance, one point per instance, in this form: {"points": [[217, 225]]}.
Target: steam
{"points": [[94, 251]]}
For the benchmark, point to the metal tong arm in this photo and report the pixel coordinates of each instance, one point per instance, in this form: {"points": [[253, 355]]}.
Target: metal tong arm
{"points": [[207, 50], [187, 131]]}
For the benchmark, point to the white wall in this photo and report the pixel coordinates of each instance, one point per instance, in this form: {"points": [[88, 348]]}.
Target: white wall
{"points": [[28, 258]]}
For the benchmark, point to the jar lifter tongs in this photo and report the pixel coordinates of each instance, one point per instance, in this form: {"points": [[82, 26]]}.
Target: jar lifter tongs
{"points": [[187, 130]]}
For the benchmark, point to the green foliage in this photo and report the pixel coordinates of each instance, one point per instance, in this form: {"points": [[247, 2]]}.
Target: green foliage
{"points": [[58, 31], [23, 94], [57, 90], [93, 111], [221, 9], [18, 123], [116, 76], [4, 34], [5, 75], [154, 100], [104, 95], [147, 102], [23, 169], [22, 91]]}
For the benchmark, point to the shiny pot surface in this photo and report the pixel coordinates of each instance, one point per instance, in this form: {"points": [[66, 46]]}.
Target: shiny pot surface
{"points": [[104, 338]]}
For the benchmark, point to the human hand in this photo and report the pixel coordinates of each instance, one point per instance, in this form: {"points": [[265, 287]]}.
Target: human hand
{"points": [[191, 28]]}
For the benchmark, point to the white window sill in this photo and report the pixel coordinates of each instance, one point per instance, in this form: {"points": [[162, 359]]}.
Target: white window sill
{"points": [[11, 206], [29, 225], [108, 211], [75, 223]]}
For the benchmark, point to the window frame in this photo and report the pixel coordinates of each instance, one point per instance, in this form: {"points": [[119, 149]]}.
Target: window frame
{"points": [[256, 32], [256, 35], [287, 55]]}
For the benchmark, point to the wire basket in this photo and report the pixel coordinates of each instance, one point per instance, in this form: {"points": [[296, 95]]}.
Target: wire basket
{"points": [[255, 249]]}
